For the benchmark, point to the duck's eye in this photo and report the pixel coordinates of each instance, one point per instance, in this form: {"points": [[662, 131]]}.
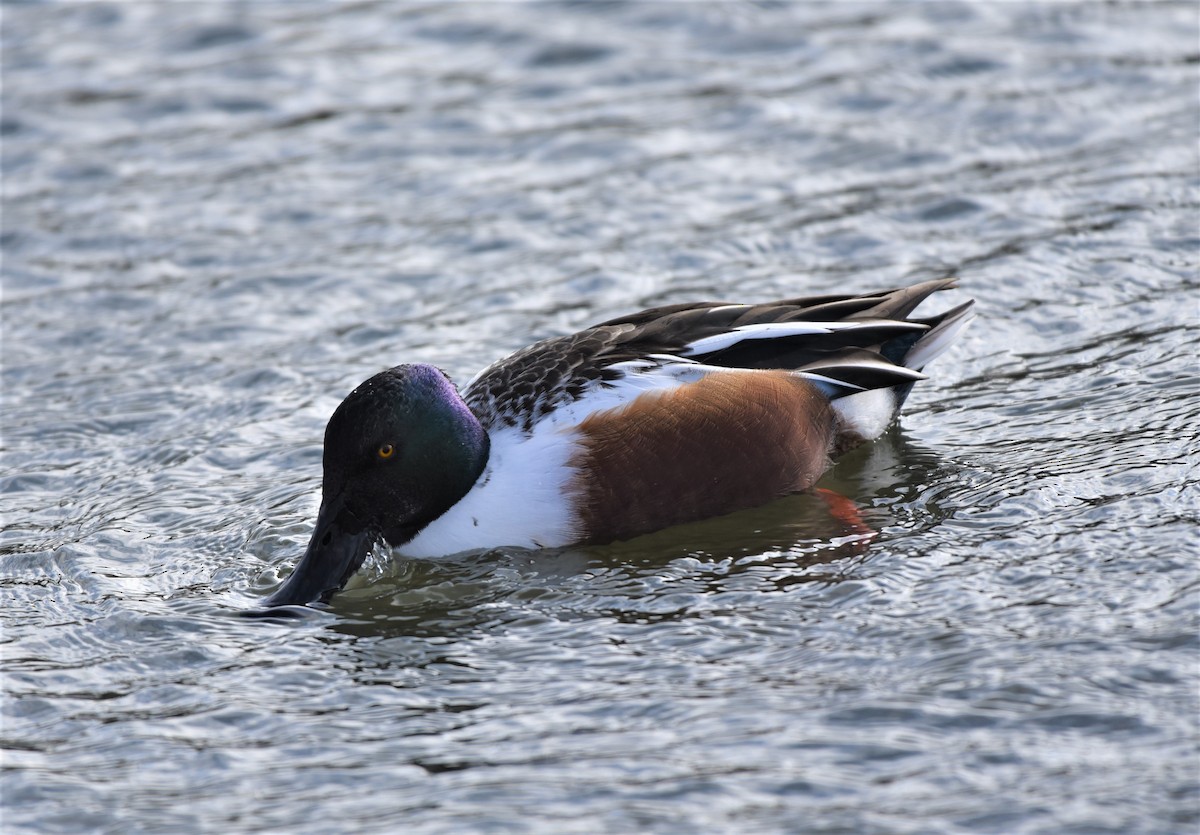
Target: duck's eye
{"points": [[386, 451]]}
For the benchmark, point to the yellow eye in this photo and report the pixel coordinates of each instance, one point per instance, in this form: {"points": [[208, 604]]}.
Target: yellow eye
{"points": [[385, 451]]}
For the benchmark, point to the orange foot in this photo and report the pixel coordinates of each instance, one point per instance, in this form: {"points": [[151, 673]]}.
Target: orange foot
{"points": [[845, 511]]}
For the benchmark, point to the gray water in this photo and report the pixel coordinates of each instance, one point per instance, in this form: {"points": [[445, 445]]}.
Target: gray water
{"points": [[217, 219]]}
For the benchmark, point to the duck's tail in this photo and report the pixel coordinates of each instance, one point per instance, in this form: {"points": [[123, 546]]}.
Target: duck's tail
{"points": [[864, 352], [865, 414]]}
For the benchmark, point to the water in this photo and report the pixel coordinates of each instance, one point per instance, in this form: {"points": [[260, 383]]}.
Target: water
{"points": [[220, 218]]}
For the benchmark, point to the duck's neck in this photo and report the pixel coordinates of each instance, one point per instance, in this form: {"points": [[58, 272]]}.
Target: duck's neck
{"points": [[451, 450]]}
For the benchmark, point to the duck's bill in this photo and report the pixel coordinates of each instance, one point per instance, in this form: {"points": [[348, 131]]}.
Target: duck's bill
{"points": [[336, 550]]}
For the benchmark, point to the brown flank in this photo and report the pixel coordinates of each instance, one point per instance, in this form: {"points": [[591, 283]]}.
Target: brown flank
{"points": [[731, 440]]}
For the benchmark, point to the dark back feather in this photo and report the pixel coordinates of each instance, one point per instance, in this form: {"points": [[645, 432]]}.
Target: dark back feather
{"points": [[521, 388]]}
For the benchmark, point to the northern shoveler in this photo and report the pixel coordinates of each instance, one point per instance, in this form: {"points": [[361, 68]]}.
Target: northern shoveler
{"points": [[666, 416]]}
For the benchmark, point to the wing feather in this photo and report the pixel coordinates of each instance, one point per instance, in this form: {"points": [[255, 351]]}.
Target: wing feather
{"points": [[845, 343]]}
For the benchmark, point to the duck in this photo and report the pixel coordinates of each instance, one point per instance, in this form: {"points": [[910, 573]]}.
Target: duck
{"points": [[658, 418]]}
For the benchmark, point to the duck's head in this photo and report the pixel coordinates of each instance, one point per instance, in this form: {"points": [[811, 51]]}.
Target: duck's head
{"points": [[400, 450]]}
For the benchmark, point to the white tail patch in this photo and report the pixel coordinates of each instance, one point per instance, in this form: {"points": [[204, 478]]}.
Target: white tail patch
{"points": [[868, 413]]}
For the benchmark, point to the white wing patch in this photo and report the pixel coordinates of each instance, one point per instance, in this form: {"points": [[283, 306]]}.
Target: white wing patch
{"points": [[776, 330], [828, 384]]}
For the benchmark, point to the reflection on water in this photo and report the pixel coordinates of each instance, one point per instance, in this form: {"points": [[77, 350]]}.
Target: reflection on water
{"points": [[218, 219], [681, 573]]}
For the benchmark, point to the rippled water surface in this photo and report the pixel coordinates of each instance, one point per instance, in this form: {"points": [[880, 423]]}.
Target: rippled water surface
{"points": [[217, 219]]}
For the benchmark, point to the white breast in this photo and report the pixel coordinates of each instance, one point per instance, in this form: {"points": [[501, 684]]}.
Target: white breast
{"points": [[521, 499]]}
